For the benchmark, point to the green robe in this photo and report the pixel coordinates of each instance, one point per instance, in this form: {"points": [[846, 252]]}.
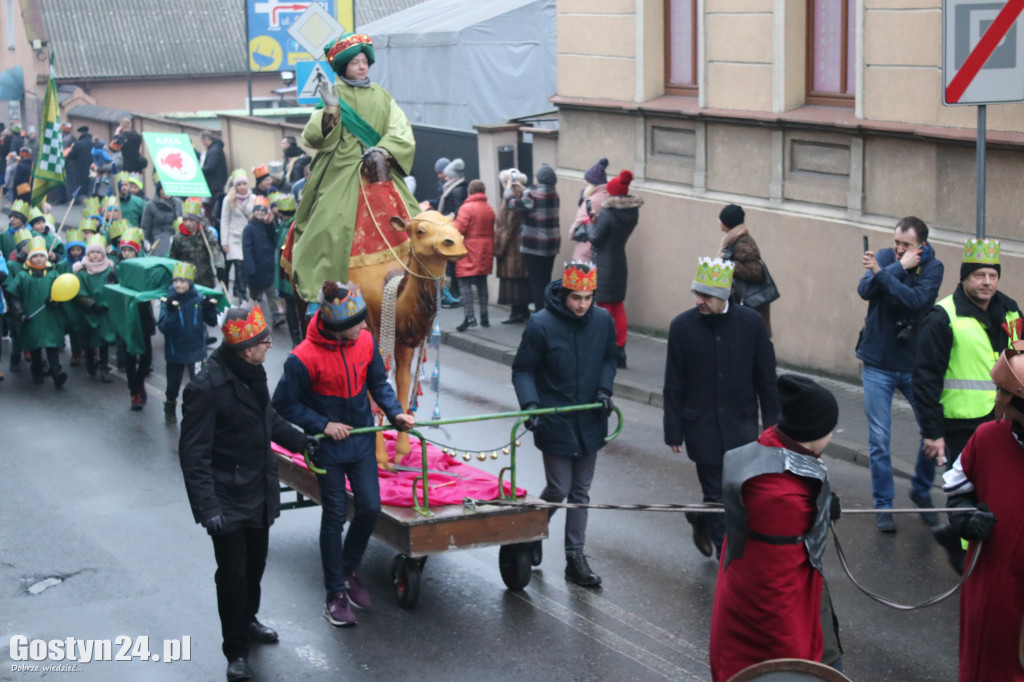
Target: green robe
{"points": [[97, 329], [325, 220], [46, 328], [132, 208], [281, 283]]}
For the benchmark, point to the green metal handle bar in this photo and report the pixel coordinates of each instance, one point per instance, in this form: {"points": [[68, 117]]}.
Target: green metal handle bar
{"points": [[522, 416]]}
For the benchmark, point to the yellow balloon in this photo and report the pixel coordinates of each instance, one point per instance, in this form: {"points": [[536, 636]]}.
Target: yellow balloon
{"points": [[64, 288]]}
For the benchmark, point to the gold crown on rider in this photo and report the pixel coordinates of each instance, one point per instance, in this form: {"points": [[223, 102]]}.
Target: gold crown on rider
{"points": [[981, 251]]}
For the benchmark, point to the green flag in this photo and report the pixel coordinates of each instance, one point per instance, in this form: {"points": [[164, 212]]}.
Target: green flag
{"points": [[49, 169]]}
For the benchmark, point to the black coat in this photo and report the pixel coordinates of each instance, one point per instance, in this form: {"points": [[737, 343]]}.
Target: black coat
{"points": [[718, 368], [259, 253], [453, 202], [78, 161], [215, 168], [224, 449], [607, 235], [131, 152], [23, 175], [565, 360]]}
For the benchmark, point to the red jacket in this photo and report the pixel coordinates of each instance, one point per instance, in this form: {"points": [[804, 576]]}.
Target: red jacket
{"points": [[476, 223]]}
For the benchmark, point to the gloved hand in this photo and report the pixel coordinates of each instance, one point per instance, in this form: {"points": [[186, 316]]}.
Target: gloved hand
{"points": [[23, 317], [50, 303], [313, 449], [326, 92], [606, 402], [173, 304], [834, 510], [99, 308], [210, 301], [534, 421], [980, 524], [214, 523]]}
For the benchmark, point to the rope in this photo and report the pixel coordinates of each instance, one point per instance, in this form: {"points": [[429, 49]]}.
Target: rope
{"points": [[412, 251], [388, 313]]}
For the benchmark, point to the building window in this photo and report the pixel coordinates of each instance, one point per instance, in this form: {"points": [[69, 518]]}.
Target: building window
{"points": [[681, 47], [830, 51]]}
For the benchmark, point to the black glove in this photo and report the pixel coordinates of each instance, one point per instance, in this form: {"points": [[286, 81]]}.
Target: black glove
{"points": [[173, 303], [606, 402], [214, 523], [210, 301], [978, 524], [313, 449], [50, 303], [533, 421], [834, 510], [112, 277], [99, 308]]}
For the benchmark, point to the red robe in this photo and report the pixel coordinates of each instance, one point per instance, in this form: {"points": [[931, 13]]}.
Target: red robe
{"points": [[992, 602], [767, 602]]}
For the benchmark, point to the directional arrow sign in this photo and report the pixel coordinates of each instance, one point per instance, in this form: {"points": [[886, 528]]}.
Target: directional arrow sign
{"points": [[308, 76], [983, 52]]}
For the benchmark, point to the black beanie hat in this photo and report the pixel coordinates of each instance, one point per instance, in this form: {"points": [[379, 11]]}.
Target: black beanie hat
{"points": [[809, 411], [731, 216], [968, 268]]}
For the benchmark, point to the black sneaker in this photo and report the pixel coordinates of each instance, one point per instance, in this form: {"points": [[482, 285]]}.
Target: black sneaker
{"points": [[577, 571]]}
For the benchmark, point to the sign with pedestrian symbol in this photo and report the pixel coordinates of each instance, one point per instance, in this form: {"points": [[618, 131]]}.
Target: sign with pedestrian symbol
{"points": [[175, 162], [982, 52], [308, 76]]}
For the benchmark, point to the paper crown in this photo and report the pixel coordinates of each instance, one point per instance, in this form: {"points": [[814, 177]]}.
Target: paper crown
{"points": [[22, 235], [261, 202], [285, 203], [74, 237], [192, 206], [714, 277], [183, 270], [981, 251], [111, 203], [342, 50], [133, 238], [21, 208], [36, 245], [275, 197], [50, 220], [260, 171], [97, 240], [88, 224], [135, 179], [579, 276], [35, 214], [341, 306], [244, 328], [236, 175], [91, 206], [117, 228], [122, 176]]}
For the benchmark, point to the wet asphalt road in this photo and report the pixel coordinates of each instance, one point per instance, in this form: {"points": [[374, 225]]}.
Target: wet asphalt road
{"points": [[91, 494]]}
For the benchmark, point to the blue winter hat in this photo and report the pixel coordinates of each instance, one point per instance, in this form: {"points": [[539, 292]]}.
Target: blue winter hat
{"points": [[341, 307], [441, 163], [596, 175]]}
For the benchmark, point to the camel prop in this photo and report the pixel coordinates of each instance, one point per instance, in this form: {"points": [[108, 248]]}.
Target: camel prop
{"points": [[433, 241]]}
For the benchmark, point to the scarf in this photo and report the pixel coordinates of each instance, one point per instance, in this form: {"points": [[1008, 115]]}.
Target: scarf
{"points": [[447, 188], [362, 83], [253, 376], [93, 268]]}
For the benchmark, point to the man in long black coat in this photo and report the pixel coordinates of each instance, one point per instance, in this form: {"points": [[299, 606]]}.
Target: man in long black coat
{"points": [[720, 366], [78, 160], [231, 474]]}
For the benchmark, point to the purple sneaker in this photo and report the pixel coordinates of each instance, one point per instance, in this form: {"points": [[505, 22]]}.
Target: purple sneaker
{"points": [[357, 594], [337, 611]]}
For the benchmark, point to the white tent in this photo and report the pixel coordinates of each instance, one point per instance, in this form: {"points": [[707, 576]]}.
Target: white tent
{"points": [[457, 63]]}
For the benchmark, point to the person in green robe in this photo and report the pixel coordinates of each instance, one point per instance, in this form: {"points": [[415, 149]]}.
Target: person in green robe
{"points": [[54, 246], [132, 206], [284, 216], [41, 320], [356, 116], [75, 251], [15, 264], [97, 330]]}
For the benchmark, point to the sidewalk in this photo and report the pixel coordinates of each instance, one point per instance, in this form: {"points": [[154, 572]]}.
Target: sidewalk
{"points": [[642, 382]]}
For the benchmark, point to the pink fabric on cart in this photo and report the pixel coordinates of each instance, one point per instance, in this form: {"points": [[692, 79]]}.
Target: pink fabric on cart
{"points": [[396, 488]]}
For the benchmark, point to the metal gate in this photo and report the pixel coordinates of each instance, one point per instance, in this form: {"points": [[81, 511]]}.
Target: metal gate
{"points": [[431, 144]]}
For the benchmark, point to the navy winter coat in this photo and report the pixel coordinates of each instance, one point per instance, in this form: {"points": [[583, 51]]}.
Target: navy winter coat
{"points": [[718, 368], [565, 360], [896, 294], [330, 380], [184, 325], [259, 253]]}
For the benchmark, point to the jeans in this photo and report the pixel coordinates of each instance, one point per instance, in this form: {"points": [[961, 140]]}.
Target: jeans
{"points": [[570, 477], [336, 559], [879, 387], [241, 558]]}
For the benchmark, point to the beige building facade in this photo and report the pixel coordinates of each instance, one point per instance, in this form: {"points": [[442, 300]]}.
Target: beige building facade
{"points": [[823, 119]]}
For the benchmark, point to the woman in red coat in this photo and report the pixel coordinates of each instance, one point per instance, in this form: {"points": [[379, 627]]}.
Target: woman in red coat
{"points": [[476, 223]]}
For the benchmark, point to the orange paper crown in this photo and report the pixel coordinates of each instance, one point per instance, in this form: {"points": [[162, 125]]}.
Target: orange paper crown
{"points": [[580, 276], [238, 331], [261, 202], [260, 171]]}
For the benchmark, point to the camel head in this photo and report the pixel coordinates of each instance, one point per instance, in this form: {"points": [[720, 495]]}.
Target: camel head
{"points": [[434, 239]]}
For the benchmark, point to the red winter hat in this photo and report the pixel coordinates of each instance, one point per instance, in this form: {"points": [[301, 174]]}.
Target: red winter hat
{"points": [[619, 186]]}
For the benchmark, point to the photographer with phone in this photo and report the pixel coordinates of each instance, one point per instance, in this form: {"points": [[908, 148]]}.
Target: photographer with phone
{"points": [[900, 285]]}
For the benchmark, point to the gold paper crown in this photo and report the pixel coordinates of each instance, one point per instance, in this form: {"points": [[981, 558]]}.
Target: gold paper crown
{"points": [[261, 202], [241, 330], [133, 237], [22, 234], [88, 224], [715, 273], [91, 206], [117, 228], [96, 240], [35, 214], [260, 171], [36, 245], [112, 203], [578, 276], [193, 206], [74, 235], [183, 270], [21, 207], [981, 251]]}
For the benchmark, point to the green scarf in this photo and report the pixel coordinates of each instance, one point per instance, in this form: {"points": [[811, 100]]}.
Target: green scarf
{"points": [[356, 124]]}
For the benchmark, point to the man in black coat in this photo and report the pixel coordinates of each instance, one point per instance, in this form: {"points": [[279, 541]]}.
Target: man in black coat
{"points": [[131, 147], [23, 175], [231, 474], [720, 365], [215, 167], [567, 357], [78, 160]]}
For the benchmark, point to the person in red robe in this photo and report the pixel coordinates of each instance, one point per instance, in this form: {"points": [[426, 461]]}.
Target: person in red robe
{"points": [[777, 505], [987, 480]]}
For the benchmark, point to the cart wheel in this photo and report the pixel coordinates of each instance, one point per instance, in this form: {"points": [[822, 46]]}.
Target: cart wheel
{"points": [[405, 576], [514, 562]]}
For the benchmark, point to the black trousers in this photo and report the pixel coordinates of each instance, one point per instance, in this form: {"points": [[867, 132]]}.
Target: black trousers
{"points": [[241, 557], [175, 373], [52, 359], [538, 269], [710, 477]]}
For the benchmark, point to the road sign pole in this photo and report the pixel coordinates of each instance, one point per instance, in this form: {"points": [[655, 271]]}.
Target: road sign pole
{"points": [[248, 67], [980, 227]]}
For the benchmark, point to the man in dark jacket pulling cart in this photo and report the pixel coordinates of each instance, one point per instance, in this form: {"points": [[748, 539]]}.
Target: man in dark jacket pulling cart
{"points": [[231, 474]]}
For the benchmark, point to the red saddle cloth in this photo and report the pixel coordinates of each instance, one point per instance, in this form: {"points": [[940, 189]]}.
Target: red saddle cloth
{"points": [[396, 487], [379, 202]]}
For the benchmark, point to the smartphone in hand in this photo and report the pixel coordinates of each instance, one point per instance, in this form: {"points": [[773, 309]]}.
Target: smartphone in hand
{"points": [[866, 244]]}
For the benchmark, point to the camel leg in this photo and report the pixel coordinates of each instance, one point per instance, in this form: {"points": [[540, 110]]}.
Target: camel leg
{"points": [[403, 380]]}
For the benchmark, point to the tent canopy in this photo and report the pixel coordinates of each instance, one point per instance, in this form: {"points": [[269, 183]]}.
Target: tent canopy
{"points": [[459, 63]]}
